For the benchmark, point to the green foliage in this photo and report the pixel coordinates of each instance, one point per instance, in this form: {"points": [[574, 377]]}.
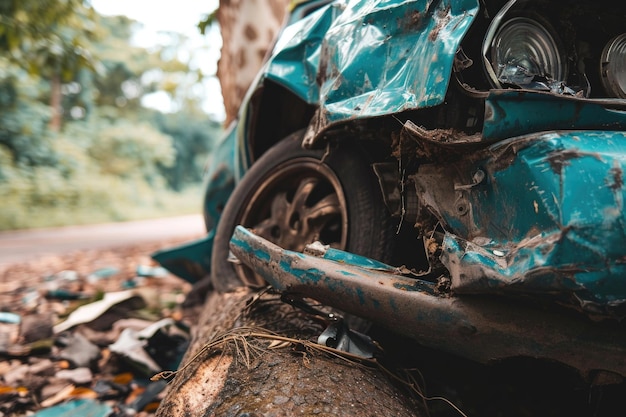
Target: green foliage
{"points": [[103, 177], [119, 84], [23, 119], [49, 35], [132, 151], [194, 136], [112, 159]]}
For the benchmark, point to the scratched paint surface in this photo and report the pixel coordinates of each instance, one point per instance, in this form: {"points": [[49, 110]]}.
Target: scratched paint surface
{"points": [[483, 329], [552, 218], [359, 59]]}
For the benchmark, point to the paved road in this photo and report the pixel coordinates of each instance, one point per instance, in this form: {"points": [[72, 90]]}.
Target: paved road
{"points": [[20, 246]]}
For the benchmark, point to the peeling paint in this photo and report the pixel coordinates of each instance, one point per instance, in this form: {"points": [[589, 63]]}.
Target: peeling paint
{"points": [[479, 328], [343, 48]]}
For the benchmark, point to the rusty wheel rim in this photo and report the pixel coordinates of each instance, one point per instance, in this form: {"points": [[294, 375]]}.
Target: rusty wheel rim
{"points": [[299, 202]]}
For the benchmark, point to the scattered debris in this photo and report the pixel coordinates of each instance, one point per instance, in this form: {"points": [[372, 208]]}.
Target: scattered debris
{"points": [[339, 336], [78, 408], [63, 331]]}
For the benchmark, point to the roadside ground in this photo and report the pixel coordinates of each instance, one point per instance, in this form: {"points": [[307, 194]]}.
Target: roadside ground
{"points": [[100, 365]]}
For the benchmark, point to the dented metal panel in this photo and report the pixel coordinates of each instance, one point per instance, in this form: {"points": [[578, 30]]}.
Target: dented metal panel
{"points": [[548, 217], [295, 61], [511, 113], [480, 328], [364, 59]]}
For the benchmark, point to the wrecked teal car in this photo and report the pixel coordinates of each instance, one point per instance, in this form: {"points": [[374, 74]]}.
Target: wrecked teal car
{"points": [[450, 169]]}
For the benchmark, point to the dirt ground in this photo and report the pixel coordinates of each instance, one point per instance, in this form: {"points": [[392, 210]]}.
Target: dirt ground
{"points": [[125, 258], [35, 373]]}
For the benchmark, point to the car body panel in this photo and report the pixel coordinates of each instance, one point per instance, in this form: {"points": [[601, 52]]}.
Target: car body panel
{"points": [[364, 59], [549, 218], [511, 113]]}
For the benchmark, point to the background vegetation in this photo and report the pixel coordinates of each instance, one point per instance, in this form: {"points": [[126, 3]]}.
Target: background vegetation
{"points": [[76, 146]]}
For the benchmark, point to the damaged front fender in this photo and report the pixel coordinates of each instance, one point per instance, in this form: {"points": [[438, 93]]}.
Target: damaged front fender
{"points": [[547, 219], [365, 59]]}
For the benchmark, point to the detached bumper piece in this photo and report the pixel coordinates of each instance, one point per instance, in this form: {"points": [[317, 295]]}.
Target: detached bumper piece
{"points": [[482, 328]]}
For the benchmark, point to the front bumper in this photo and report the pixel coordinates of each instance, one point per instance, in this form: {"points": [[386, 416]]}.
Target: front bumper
{"points": [[481, 328]]}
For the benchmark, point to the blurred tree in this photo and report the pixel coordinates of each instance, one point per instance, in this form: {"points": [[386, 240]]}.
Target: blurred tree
{"points": [[132, 151], [193, 135], [120, 85], [248, 28], [23, 119], [111, 155], [49, 37]]}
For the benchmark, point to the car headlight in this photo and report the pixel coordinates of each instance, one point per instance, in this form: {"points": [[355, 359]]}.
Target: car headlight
{"points": [[523, 51], [613, 67]]}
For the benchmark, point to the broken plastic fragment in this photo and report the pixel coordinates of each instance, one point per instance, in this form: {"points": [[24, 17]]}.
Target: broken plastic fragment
{"points": [[9, 329], [78, 350], [77, 408], [151, 271], [158, 346], [130, 346], [11, 318], [337, 335], [316, 248], [80, 375], [92, 311], [102, 273]]}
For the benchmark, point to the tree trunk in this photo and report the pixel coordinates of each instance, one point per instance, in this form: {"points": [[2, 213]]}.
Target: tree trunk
{"points": [[257, 359], [248, 28]]}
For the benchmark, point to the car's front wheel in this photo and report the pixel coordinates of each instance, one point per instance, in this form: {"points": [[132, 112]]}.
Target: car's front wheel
{"points": [[293, 196]]}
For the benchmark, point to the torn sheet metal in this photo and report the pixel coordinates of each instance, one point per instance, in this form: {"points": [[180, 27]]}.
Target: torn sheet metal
{"points": [[479, 328], [190, 261], [364, 59], [561, 231]]}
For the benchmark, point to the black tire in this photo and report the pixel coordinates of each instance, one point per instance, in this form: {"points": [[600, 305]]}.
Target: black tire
{"points": [[335, 191]]}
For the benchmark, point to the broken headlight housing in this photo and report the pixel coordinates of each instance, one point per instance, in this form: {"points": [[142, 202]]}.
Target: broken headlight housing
{"points": [[525, 53], [613, 67], [573, 47], [523, 50]]}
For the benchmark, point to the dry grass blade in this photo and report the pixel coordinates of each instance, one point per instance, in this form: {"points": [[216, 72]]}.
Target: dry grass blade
{"points": [[276, 344], [245, 350], [245, 347]]}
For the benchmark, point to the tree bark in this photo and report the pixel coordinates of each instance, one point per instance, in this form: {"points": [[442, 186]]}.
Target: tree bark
{"points": [[255, 367], [248, 28]]}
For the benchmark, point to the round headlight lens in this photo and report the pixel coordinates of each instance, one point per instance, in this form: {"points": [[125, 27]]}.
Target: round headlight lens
{"points": [[613, 67], [523, 50]]}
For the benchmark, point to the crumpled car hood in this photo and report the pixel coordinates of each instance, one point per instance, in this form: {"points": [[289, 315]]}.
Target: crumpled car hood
{"points": [[374, 58]]}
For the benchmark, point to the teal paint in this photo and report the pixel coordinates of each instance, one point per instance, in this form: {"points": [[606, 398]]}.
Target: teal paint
{"points": [[366, 59]]}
